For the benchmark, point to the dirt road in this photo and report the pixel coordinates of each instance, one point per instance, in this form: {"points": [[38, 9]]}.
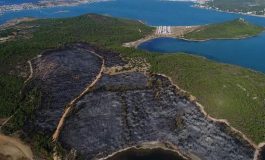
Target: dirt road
{"points": [[14, 149]]}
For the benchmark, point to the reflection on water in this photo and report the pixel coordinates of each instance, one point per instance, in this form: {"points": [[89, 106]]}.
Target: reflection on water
{"points": [[146, 154], [247, 52]]}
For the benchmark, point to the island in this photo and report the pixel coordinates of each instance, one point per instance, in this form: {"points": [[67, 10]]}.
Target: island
{"points": [[69, 89]]}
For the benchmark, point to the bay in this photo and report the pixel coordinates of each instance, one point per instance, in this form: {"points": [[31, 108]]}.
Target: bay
{"points": [[248, 52]]}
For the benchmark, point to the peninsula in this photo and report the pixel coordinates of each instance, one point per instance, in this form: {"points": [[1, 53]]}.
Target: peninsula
{"points": [[235, 29]]}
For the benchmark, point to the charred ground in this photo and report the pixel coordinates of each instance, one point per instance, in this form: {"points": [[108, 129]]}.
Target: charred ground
{"points": [[166, 114], [122, 110]]}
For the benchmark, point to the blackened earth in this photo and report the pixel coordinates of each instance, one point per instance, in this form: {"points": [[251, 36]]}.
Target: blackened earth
{"points": [[123, 110]]}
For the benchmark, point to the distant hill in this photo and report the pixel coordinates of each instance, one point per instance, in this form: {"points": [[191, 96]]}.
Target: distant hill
{"points": [[245, 6], [235, 29]]}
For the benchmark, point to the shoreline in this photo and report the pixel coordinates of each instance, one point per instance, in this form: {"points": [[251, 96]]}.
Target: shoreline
{"points": [[168, 32], [152, 36], [240, 38], [44, 4], [231, 12], [210, 39], [16, 21], [204, 57], [150, 145]]}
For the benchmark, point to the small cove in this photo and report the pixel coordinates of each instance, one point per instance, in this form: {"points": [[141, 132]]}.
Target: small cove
{"points": [[249, 52], [146, 154]]}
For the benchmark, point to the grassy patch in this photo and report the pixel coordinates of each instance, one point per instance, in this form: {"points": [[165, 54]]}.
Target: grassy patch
{"points": [[7, 32], [10, 87], [238, 28], [42, 146], [25, 111]]}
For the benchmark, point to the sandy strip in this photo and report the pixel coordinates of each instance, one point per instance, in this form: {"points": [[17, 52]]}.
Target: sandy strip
{"points": [[16, 21], [14, 148], [261, 145], [163, 31], [31, 72]]}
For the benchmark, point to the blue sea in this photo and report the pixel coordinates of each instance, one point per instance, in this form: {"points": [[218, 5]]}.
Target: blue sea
{"points": [[248, 52], [9, 2], [152, 12]]}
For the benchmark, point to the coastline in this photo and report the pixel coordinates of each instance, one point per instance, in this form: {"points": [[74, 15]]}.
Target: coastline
{"points": [[16, 21], [166, 146], [137, 43], [44, 4], [168, 32], [209, 39], [196, 5]]}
